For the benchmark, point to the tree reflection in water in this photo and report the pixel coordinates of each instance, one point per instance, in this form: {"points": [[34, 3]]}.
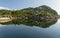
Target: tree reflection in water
{"points": [[41, 23]]}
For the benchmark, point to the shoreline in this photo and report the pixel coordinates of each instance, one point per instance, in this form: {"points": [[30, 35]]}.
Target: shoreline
{"points": [[5, 19]]}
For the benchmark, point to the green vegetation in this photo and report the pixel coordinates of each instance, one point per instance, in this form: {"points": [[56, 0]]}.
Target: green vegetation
{"points": [[42, 23], [31, 16], [42, 11]]}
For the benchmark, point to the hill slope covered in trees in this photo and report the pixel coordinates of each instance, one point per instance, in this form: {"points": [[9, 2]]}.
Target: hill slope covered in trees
{"points": [[32, 16], [42, 11]]}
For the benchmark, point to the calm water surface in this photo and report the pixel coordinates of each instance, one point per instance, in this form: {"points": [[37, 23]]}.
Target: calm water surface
{"points": [[23, 31]]}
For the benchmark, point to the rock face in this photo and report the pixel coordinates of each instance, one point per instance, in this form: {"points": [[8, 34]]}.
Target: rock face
{"points": [[4, 19]]}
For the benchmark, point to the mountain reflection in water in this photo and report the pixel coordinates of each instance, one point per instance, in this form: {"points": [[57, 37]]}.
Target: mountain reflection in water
{"points": [[27, 31], [41, 23]]}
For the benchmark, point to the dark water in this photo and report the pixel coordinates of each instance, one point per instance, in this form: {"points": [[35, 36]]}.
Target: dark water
{"points": [[23, 31]]}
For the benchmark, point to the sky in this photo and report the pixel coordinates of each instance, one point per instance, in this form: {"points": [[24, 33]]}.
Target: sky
{"points": [[20, 4]]}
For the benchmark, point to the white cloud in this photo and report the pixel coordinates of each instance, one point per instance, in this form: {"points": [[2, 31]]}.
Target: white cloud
{"points": [[4, 8]]}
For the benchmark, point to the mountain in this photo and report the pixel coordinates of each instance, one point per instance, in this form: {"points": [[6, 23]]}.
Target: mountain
{"points": [[39, 16], [37, 12]]}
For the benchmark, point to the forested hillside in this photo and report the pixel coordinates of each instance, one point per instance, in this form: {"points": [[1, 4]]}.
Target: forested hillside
{"points": [[41, 11], [31, 16]]}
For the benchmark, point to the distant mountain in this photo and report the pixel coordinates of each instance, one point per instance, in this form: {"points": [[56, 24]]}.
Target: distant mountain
{"points": [[59, 16]]}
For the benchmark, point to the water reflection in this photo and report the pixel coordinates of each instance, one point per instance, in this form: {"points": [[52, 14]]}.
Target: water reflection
{"points": [[41, 23], [23, 31]]}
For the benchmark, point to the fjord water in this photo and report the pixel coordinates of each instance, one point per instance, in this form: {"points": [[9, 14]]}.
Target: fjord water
{"points": [[25, 31]]}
